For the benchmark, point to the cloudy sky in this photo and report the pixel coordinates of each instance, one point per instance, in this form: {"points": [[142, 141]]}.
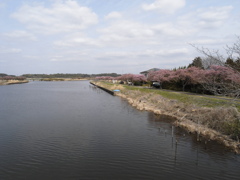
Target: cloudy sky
{"points": [[104, 36]]}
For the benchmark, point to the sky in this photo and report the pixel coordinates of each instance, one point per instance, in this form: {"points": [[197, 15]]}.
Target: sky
{"points": [[111, 36]]}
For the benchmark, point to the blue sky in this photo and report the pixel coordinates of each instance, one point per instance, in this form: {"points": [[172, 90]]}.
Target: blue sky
{"points": [[104, 36]]}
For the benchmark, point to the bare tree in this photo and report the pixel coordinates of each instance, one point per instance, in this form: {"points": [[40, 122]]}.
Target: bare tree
{"points": [[234, 50], [214, 57]]}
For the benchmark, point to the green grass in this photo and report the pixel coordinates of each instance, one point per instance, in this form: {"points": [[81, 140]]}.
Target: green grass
{"points": [[199, 100]]}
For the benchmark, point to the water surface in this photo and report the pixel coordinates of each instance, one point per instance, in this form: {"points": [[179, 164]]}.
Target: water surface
{"points": [[70, 130]]}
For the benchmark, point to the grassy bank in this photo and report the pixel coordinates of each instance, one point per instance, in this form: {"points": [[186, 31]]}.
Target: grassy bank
{"points": [[196, 99], [208, 116]]}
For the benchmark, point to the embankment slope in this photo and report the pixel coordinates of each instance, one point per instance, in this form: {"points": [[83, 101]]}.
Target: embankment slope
{"points": [[211, 123]]}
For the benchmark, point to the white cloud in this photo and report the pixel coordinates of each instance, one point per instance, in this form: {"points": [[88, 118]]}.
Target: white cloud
{"points": [[166, 52], [128, 35], [56, 58], [77, 40], [125, 32], [72, 56], [167, 29], [61, 17], [206, 23], [143, 56], [18, 34], [31, 57], [113, 15], [213, 17], [209, 41], [126, 29], [136, 61], [165, 6], [10, 50]]}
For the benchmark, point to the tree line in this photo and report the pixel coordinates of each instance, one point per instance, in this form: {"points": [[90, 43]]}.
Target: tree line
{"points": [[210, 74], [73, 76], [7, 77], [4, 76]]}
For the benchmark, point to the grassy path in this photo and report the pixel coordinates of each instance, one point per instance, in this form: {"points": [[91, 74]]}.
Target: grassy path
{"points": [[189, 98]]}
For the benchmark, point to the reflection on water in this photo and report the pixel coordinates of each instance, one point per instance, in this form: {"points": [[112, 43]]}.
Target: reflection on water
{"points": [[71, 130]]}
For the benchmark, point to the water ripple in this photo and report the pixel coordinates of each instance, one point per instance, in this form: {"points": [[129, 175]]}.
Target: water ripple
{"points": [[70, 131]]}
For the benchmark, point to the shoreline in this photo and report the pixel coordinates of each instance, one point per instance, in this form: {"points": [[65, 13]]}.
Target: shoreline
{"points": [[10, 82], [184, 115]]}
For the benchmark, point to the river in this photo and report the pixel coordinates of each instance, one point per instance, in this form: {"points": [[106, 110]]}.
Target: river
{"points": [[73, 131]]}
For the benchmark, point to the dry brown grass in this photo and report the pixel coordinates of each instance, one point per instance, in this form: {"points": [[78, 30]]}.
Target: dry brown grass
{"points": [[219, 123], [8, 82]]}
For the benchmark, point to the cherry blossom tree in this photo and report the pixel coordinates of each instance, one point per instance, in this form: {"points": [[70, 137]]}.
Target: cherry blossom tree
{"points": [[7, 78], [139, 78], [221, 80], [104, 78], [187, 76], [162, 76], [126, 78], [133, 78]]}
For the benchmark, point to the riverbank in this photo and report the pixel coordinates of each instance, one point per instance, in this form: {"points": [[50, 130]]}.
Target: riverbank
{"points": [[9, 82], [210, 119]]}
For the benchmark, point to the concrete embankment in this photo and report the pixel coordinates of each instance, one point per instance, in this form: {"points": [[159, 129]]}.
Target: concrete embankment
{"points": [[104, 89], [190, 117]]}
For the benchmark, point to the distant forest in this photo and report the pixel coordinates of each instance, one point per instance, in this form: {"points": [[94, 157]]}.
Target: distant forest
{"points": [[59, 75], [4, 75], [74, 76]]}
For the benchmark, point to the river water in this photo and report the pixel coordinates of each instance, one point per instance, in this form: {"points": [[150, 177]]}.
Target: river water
{"points": [[71, 130]]}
